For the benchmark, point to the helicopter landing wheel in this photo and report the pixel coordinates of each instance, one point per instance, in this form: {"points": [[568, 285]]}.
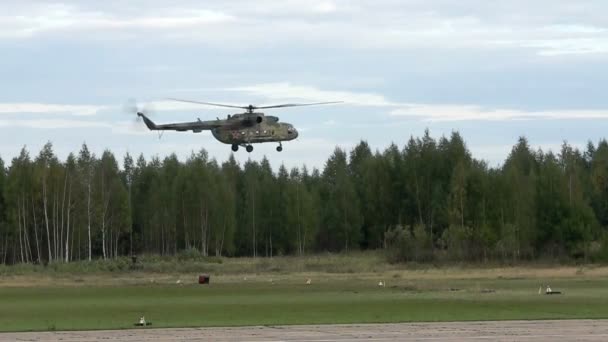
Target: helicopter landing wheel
{"points": [[249, 148], [279, 148], [235, 147]]}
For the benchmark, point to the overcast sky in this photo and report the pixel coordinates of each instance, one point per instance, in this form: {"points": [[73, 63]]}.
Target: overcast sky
{"points": [[492, 70]]}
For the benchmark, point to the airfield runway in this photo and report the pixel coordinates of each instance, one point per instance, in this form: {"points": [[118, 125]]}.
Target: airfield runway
{"points": [[557, 330]]}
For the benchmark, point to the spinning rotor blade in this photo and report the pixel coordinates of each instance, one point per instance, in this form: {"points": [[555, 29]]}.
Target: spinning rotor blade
{"points": [[132, 108], [251, 107], [297, 104], [209, 103]]}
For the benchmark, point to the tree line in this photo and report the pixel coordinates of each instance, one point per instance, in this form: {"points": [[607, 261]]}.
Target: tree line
{"points": [[426, 200]]}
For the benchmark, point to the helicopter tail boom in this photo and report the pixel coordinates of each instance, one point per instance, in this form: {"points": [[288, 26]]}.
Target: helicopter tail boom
{"points": [[149, 123]]}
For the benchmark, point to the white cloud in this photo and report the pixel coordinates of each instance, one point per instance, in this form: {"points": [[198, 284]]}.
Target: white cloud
{"points": [[437, 112], [284, 91], [578, 46], [134, 127], [546, 28], [325, 7], [51, 123], [48, 108], [49, 18]]}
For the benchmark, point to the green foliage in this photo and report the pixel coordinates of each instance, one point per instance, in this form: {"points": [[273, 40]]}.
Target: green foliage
{"points": [[427, 200]]}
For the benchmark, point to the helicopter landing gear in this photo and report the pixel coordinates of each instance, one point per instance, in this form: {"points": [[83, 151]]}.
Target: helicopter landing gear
{"points": [[235, 147], [249, 148], [280, 147]]}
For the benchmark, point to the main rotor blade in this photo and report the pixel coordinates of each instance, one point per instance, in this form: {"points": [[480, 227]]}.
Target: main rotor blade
{"points": [[209, 103], [297, 104]]}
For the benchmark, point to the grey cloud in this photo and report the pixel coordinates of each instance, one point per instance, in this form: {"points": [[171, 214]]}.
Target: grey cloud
{"points": [[547, 27]]}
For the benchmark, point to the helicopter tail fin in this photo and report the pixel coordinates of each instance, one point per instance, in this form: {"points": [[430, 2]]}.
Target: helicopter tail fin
{"points": [[149, 123]]}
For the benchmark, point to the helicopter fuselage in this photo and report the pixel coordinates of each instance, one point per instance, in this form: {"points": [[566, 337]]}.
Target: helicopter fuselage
{"points": [[266, 131]]}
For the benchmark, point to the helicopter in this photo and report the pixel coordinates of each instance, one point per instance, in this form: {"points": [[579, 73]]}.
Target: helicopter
{"points": [[239, 129]]}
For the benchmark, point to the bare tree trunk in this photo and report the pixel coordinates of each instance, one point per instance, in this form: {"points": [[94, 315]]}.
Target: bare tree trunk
{"points": [[203, 233], [28, 248], [207, 231], [46, 219], [105, 205], [461, 210], [304, 242], [79, 245], [270, 233], [253, 222], [5, 250], [67, 232], [89, 212], [218, 251], [185, 227], [55, 228], [65, 185], [19, 233], [36, 232], [162, 238], [103, 232], [103, 236], [110, 241], [298, 217], [418, 198], [116, 246]]}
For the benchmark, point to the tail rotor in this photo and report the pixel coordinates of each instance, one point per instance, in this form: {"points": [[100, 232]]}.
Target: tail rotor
{"points": [[132, 108]]}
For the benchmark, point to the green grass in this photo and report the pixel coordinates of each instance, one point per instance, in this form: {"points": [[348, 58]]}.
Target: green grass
{"points": [[290, 301]]}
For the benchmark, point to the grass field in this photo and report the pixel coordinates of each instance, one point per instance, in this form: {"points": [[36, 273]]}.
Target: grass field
{"points": [[49, 301]]}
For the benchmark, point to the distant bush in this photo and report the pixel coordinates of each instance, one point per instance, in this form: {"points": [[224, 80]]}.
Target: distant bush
{"points": [[403, 245], [399, 243], [191, 253]]}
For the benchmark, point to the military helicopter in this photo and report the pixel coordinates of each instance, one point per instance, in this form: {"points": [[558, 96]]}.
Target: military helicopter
{"points": [[240, 129]]}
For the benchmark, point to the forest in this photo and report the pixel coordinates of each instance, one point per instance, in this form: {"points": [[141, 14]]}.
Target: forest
{"points": [[426, 200]]}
